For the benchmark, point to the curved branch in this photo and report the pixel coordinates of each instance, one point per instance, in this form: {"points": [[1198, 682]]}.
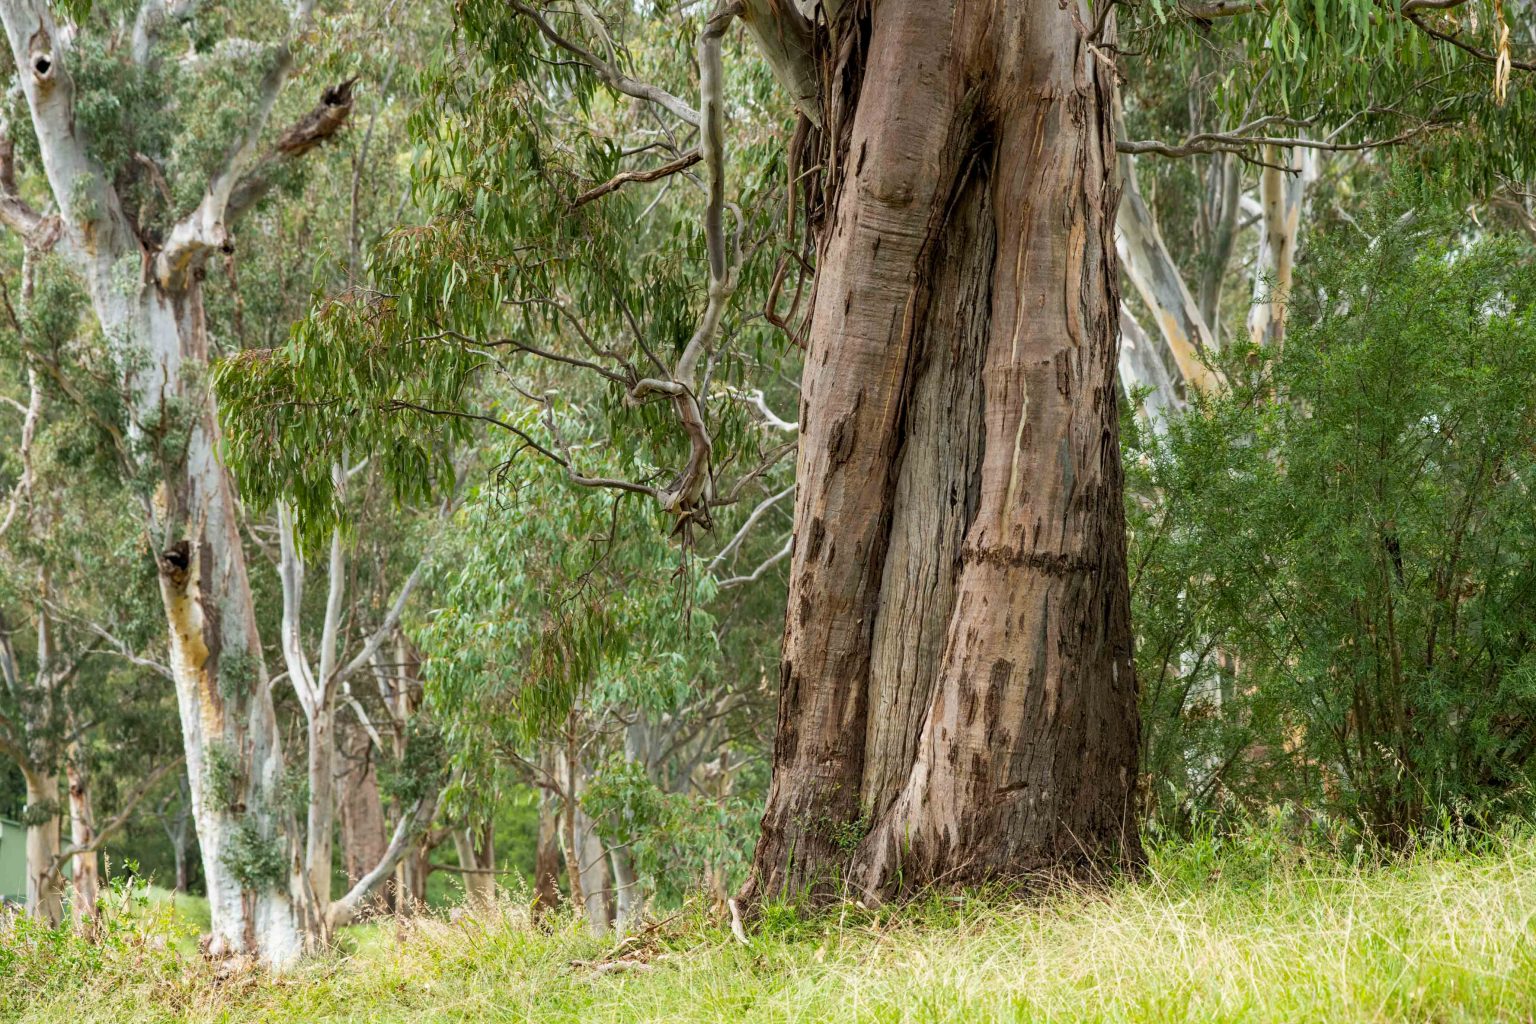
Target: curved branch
{"points": [[206, 226], [746, 527], [120, 819], [611, 75], [623, 178], [757, 574], [1240, 144], [344, 911]]}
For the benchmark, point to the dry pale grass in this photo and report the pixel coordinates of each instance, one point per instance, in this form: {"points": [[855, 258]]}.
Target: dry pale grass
{"points": [[1216, 932]]}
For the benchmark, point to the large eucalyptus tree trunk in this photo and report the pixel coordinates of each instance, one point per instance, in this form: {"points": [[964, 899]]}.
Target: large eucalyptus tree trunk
{"points": [[146, 293], [229, 729], [958, 701]]}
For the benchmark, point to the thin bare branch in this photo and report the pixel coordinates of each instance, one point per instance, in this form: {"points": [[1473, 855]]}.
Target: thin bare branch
{"points": [[757, 514], [623, 178], [130, 804], [769, 563]]}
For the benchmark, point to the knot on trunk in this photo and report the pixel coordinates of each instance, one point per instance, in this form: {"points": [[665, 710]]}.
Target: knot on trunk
{"points": [[175, 562], [40, 55]]}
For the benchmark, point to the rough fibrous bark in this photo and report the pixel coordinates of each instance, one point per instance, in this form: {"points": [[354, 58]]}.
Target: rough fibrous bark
{"points": [[361, 809], [546, 864], [958, 702]]}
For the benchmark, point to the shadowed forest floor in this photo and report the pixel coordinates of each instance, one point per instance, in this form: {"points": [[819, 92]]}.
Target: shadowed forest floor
{"points": [[1249, 930]]}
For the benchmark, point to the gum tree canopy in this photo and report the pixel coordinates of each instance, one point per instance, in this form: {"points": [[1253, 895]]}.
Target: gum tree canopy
{"points": [[935, 241]]}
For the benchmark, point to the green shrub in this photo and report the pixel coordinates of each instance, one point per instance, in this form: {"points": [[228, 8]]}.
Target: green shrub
{"points": [[1335, 563]]}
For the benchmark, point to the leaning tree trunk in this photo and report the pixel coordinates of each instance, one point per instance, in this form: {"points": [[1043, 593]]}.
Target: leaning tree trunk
{"points": [[45, 888], [958, 701]]}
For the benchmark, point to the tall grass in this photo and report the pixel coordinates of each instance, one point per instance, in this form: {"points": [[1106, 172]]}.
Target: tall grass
{"points": [[1252, 931]]}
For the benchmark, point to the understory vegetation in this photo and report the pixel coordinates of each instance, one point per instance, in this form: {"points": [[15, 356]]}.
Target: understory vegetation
{"points": [[1260, 925]]}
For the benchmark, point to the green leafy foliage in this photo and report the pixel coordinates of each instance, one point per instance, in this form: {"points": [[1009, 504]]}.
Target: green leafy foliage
{"points": [[554, 600], [1334, 562], [677, 840], [1346, 72], [509, 275], [255, 860]]}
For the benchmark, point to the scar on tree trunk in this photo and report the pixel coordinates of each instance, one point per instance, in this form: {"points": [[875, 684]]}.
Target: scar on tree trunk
{"points": [[957, 700]]}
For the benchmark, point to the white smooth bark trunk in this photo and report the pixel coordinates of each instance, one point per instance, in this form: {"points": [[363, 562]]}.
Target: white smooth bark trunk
{"points": [[1141, 367], [1152, 272], [157, 334], [628, 898], [1283, 184], [44, 884], [477, 864], [586, 860], [229, 727], [321, 816]]}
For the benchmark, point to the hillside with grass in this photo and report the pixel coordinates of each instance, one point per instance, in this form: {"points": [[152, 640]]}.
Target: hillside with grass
{"points": [[1249, 929], [767, 510]]}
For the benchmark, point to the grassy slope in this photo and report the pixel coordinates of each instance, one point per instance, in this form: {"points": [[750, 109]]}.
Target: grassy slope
{"points": [[1252, 933]]}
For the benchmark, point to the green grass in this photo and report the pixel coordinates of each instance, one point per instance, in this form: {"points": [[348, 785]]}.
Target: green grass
{"points": [[1252, 932]]}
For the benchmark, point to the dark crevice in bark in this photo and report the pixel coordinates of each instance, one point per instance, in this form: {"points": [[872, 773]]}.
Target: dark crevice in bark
{"points": [[935, 482], [958, 702]]}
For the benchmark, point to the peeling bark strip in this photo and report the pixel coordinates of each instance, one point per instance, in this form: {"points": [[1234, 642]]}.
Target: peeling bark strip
{"points": [[958, 702]]}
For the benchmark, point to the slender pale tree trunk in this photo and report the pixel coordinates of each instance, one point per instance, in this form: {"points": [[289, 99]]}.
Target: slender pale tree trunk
{"points": [[45, 885], [1283, 183], [321, 812], [628, 898], [586, 858], [84, 878], [958, 701], [596, 879], [179, 853], [476, 850], [411, 881], [1223, 201]]}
